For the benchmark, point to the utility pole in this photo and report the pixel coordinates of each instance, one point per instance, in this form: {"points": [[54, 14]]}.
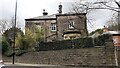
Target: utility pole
{"points": [[119, 19], [14, 27]]}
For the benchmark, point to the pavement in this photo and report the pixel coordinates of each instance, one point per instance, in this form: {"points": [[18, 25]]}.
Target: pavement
{"points": [[26, 64]]}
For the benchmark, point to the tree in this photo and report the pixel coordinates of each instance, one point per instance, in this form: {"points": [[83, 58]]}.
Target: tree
{"points": [[9, 33], [19, 41], [83, 7], [113, 22], [100, 31], [9, 37], [33, 36], [87, 7], [6, 24]]}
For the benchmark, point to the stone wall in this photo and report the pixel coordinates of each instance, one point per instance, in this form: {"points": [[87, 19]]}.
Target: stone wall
{"points": [[95, 56]]}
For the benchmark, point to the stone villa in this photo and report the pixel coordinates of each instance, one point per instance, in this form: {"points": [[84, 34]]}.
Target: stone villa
{"points": [[60, 26]]}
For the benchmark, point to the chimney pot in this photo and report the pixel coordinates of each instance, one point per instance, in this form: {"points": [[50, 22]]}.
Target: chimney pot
{"points": [[44, 12]]}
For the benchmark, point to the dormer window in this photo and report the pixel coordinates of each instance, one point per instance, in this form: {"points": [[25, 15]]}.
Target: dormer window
{"points": [[53, 27], [71, 24]]}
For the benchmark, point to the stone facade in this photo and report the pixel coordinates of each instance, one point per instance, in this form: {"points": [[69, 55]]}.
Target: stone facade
{"points": [[79, 28], [56, 26]]}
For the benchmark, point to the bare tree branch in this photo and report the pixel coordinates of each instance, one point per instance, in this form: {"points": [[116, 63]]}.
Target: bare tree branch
{"points": [[86, 7], [6, 24], [117, 3]]}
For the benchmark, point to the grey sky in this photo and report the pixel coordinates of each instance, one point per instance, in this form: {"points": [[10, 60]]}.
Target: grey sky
{"points": [[33, 8], [30, 8]]}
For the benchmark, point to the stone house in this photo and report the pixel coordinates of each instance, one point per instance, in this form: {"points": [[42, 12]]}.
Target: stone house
{"points": [[60, 26]]}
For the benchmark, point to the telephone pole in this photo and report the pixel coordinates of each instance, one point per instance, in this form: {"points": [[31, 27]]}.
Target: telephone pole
{"points": [[14, 27]]}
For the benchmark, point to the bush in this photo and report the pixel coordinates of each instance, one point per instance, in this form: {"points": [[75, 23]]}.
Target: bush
{"points": [[5, 46], [9, 53], [19, 52]]}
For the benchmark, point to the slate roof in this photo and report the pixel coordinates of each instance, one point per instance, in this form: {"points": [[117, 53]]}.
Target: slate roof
{"points": [[112, 32], [45, 17], [53, 16]]}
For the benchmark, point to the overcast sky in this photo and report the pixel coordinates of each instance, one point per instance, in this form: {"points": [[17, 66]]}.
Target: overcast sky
{"points": [[33, 8]]}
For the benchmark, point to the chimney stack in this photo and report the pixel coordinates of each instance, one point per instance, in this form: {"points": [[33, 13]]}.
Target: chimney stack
{"points": [[44, 12], [60, 8], [105, 29]]}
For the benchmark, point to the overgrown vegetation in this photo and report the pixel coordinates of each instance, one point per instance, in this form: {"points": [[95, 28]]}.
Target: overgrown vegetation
{"points": [[22, 42]]}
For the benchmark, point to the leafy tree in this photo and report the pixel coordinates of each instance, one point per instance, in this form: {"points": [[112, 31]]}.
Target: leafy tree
{"points": [[100, 31], [19, 41], [29, 37], [33, 36], [38, 33]]}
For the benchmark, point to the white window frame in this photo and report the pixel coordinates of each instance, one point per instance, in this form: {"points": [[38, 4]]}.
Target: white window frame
{"points": [[53, 27], [71, 24]]}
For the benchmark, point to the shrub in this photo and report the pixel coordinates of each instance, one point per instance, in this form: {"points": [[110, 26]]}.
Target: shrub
{"points": [[19, 52], [9, 53], [4, 45]]}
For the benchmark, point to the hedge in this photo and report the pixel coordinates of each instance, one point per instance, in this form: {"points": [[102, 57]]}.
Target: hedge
{"points": [[100, 40], [65, 44], [75, 43]]}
